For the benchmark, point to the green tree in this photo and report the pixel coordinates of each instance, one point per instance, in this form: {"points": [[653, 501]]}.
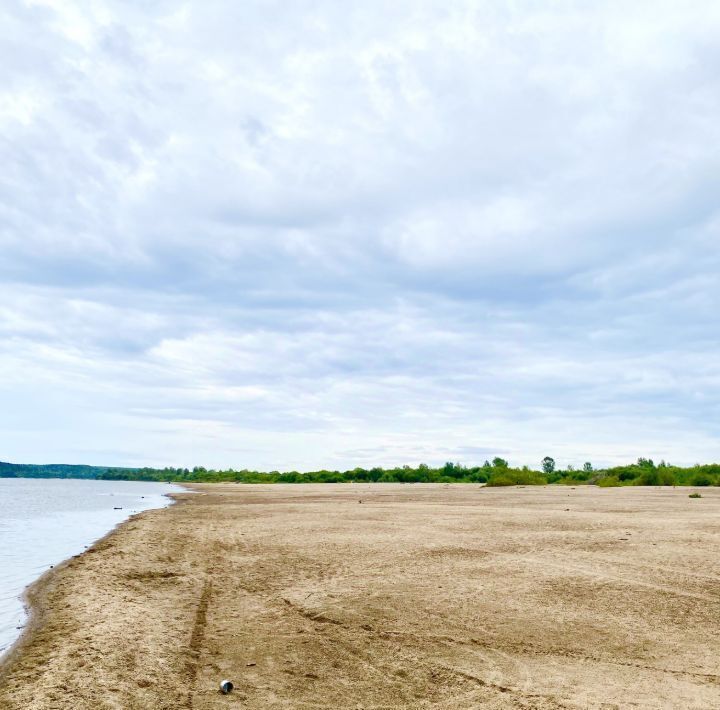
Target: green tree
{"points": [[548, 465]]}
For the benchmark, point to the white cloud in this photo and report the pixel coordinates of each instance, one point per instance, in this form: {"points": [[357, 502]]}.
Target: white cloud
{"points": [[264, 234]]}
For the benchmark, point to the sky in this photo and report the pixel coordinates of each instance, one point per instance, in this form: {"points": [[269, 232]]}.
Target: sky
{"points": [[311, 234]]}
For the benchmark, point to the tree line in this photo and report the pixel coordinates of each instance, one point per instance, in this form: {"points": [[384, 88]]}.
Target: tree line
{"points": [[497, 472]]}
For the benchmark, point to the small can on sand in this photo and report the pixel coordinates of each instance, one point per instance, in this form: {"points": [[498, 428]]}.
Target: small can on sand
{"points": [[226, 687]]}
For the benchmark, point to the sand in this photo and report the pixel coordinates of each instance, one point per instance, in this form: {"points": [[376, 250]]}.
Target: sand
{"points": [[420, 596]]}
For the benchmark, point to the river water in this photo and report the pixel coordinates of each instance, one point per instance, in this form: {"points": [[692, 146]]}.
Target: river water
{"points": [[45, 521]]}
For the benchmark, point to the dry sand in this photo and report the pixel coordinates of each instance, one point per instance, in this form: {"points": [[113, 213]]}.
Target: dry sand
{"points": [[421, 596]]}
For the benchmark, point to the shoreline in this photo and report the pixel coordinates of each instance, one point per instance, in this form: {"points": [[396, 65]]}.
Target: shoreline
{"points": [[34, 596]]}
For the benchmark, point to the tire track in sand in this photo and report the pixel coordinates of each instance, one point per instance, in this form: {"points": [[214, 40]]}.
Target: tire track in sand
{"points": [[335, 631], [196, 641]]}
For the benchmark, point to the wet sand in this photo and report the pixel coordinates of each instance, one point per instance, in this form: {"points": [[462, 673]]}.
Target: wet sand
{"points": [[421, 596]]}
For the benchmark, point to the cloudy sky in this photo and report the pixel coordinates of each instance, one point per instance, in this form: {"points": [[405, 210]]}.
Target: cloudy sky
{"points": [[316, 233]]}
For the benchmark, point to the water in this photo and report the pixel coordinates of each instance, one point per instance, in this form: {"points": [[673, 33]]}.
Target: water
{"points": [[45, 521]]}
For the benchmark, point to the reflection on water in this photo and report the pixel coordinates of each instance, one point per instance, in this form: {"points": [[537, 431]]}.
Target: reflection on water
{"points": [[45, 521]]}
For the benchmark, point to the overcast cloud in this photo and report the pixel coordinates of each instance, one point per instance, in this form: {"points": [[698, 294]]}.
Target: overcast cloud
{"points": [[325, 234]]}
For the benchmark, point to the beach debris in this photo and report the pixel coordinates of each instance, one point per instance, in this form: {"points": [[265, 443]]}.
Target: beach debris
{"points": [[252, 663], [226, 686], [117, 508]]}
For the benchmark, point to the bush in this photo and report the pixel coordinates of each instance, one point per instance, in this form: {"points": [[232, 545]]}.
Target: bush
{"points": [[608, 482], [701, 479], [694, 495], [500, 480], [655, 477], [515, 477]]}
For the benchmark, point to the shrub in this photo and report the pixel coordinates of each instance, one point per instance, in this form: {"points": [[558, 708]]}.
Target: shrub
{"points": [[515, 477], [701, 479], [608, 482], [655, 477], [500, 480], [695, 495]]}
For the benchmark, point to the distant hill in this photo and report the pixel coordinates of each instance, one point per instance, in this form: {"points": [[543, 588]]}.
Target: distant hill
{"points": [[58, 470]]}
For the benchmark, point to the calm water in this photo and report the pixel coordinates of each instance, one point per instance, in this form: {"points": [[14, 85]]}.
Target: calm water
{"points": [[45, 521]]}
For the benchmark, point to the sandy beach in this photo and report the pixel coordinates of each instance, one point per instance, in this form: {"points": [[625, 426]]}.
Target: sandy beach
{"points": [[385, 596]]}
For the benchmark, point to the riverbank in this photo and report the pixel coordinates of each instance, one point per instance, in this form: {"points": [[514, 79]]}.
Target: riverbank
{"points": [[43, 523], [418, 596]]}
